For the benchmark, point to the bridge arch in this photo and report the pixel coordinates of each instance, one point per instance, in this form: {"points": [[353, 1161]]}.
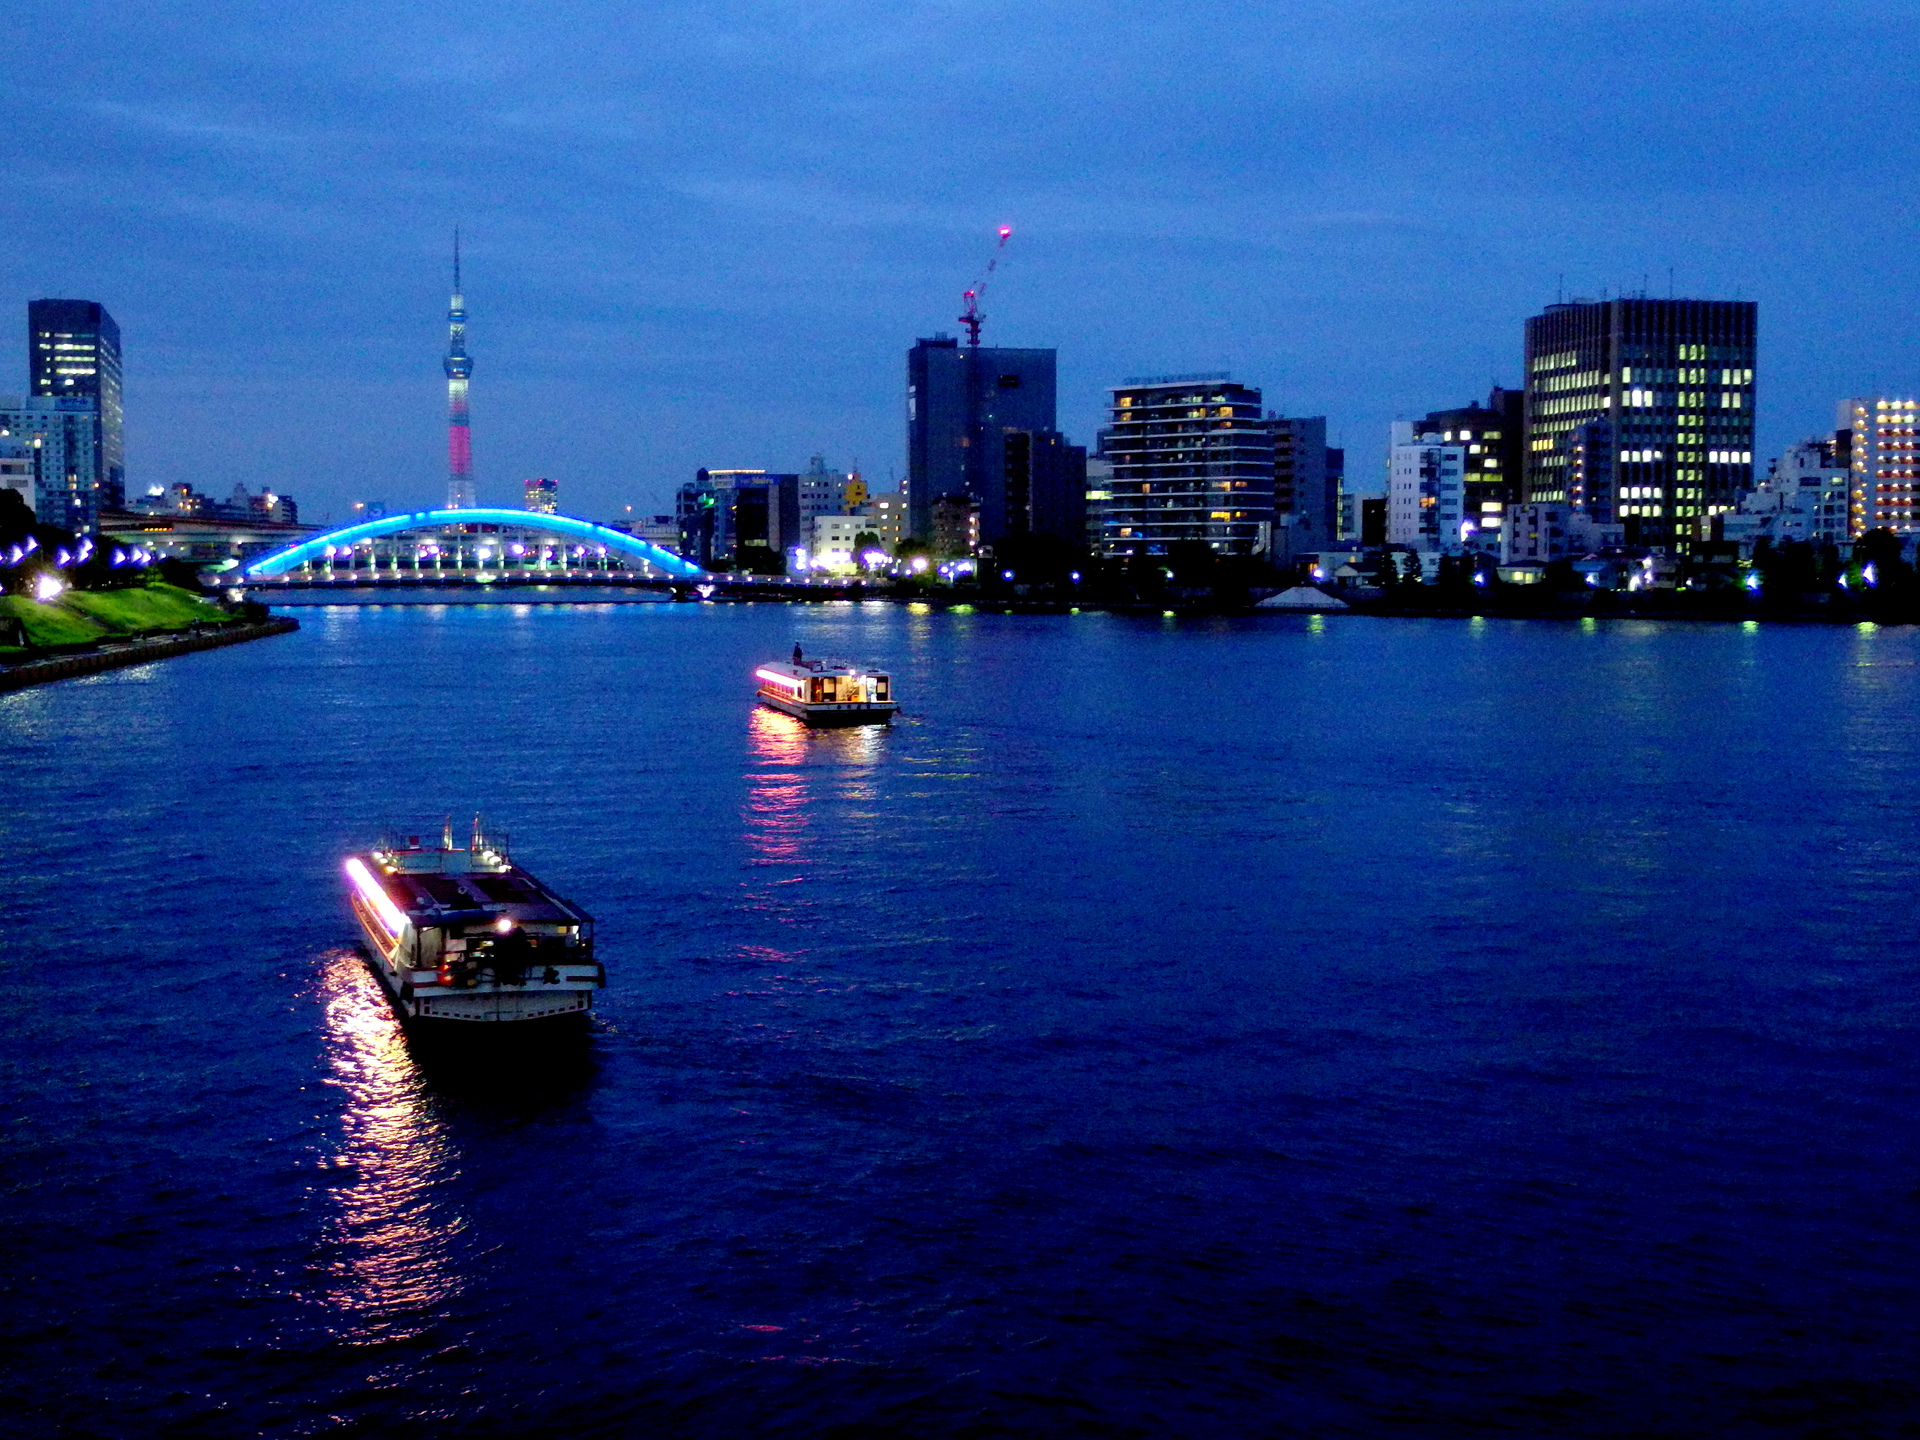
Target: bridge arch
{"points": [[282, 561]]}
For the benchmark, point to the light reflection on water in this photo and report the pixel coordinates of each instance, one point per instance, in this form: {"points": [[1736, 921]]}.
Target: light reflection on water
{"points": [[393, 1237]]}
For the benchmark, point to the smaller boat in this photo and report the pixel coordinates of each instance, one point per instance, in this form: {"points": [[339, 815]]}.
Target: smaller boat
{"points": [[827, 692], [468, 936]]}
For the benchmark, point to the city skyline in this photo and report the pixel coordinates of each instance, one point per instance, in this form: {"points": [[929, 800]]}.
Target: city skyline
{"points": [[742, 297]]}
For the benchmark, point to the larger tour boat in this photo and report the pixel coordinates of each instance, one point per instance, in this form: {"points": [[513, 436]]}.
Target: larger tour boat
{"points": [[466, 935], [827, 692]]}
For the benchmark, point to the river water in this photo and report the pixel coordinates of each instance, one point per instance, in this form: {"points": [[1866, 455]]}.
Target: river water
{"points": [[1278, 1027]]}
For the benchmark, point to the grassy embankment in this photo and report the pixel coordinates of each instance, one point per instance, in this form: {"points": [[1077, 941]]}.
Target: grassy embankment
{"points": [[86, 617]]}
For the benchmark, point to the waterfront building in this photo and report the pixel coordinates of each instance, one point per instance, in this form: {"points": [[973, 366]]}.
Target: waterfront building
{"points": [[16, 469], [834, 544], [1805, 496], [1192, 461], [1306, 480], [962, 402], [723, 515], [828, 492], [1373, 520], [73, 352], [1099, 499], [956, 527], [64, 435], [242, 505], [543, 497], [1536, 534], [1882, 439], [889, 516], [1426, 492], [1045, 491], [1658, 395], [1494, 476]]}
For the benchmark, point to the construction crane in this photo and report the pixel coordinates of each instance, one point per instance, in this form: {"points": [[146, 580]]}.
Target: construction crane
{"points": [[970, 315]]}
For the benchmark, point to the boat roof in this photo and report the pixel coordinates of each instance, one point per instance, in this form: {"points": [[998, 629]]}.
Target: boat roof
{"points": [[448, 897], [830, 666]]}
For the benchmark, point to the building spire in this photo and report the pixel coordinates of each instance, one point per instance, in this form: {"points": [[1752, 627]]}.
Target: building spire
{"points": [[460, 494]]}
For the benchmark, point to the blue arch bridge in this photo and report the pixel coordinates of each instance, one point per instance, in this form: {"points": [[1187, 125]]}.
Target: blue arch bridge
{"points": [[503, 547]]}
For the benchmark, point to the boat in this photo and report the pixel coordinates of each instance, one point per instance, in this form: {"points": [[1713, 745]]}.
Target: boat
{"points": [[827, 692], [468, 937]]}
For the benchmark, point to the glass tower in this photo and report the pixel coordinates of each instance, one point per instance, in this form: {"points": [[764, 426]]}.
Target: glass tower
{"points": [[73, 350]]}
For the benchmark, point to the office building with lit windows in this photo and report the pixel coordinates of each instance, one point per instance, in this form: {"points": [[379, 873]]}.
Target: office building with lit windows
{"points": [[1192, 461], [1881, 435], [1492, 472], [543, 497], [63, 436], [73, 353], [1641, 412]]}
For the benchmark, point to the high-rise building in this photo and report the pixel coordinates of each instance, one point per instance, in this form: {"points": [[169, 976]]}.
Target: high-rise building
{"points": [[459, 366], [1192, 461], [1879, 436], [962, 401], [543, 497], [64, 436], [1045, 491], [1426, 491], [1306, 482], [73, 352], [1673, 383]]}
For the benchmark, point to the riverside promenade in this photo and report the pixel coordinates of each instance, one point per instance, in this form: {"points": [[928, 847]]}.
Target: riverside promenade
{"points": [[117, 654]]}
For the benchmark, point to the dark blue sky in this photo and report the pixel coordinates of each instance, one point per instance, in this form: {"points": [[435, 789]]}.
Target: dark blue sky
{"points": [[706, 234]]}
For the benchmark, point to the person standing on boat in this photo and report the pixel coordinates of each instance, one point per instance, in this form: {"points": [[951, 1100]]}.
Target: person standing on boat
{"points": [[796, 652]]}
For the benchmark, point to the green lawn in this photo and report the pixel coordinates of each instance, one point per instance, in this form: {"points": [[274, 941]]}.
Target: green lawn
{"points": [[84, 617]]}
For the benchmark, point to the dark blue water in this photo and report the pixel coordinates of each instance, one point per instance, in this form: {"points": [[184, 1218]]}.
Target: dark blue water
{"points": [[1276, 1027]]}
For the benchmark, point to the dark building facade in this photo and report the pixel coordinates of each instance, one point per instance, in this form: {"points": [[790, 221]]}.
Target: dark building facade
{"points": [[73, 352], [724, 514], [1673, 383], [1306, 480], [1192, 461], [962, 403], [1045, 486]]}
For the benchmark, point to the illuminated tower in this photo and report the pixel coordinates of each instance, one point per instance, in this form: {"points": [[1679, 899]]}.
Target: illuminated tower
{"points": [[459, 367]]}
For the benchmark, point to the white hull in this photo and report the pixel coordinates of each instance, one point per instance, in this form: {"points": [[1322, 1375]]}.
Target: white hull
{"points": [[429, 972]]}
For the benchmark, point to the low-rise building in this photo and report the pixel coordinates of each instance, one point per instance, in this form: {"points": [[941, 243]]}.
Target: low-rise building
{"points": [[1554, 530], [1806, 496], [886, 516], [16, 469]]}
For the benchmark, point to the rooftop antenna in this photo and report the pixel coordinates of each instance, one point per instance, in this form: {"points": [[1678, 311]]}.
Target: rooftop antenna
{"points": [[970, 315]]}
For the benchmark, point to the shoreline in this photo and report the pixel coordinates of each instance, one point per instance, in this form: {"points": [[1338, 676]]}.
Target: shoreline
{"points": [[118, 655]]}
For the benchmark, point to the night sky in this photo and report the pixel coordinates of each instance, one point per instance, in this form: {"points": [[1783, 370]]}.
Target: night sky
{"points": [[707, 234]]}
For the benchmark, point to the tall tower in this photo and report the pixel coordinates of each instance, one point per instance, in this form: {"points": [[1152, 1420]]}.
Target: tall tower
{"points": [[73, 349], [459, 367]]}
